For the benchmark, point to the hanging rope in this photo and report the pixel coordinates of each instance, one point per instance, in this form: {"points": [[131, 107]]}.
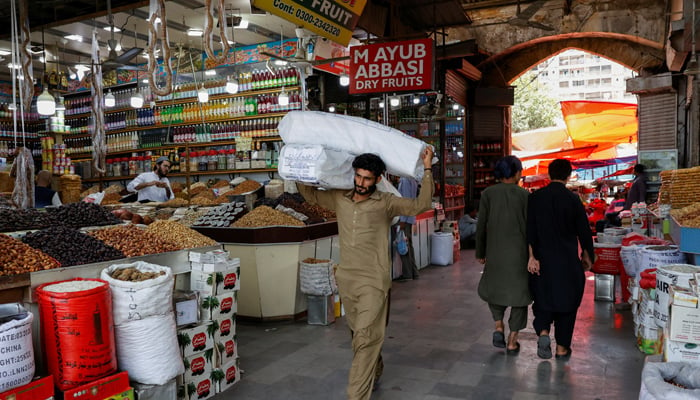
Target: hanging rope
{"points": [[157, 11], [23, 165], [27, 70], [209, 28], [99, 142]]}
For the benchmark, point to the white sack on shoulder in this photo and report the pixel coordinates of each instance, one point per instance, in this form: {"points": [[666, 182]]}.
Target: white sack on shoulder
{"points": [[316, 165], [401, 153], [138, 300], [148, 349]]}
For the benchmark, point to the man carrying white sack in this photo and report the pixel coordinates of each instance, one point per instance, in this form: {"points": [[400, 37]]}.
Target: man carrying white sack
{"points": [[363, 276]]}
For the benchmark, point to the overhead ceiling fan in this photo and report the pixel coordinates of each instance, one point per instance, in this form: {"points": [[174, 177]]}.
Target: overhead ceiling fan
{"points": [[114, 60], [305, 44]]}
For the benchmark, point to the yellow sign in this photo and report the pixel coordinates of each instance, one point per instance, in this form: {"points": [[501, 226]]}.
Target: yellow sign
{"points": [[332, 19]]}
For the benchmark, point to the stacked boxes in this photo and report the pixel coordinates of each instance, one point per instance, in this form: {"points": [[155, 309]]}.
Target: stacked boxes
{"points": [[210, 349], [682, 332], [112, 387]]}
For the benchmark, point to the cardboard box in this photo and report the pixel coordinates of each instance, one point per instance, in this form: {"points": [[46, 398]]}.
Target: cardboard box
{"points": [[186, 307], [226, 327], [224, 306], [675, 351], [231, 376], [684, 324], [216, 266], [209, 257], [231, 281], [197, 377], [38, 389], [683, 297], [109, 387], [196, 339], [166, 391], [227, 351], [205, 283]]}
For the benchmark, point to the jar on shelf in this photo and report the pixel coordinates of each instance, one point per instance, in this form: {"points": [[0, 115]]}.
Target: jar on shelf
{"points": [[221, 159], [132, 165], [124, 166], [108, 170], [139, 164], [116, 167], [231, 159], [202, 161], [212, 161], [194, 160]]}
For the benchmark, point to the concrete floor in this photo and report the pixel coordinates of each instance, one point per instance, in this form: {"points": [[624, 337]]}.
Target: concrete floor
{"points": [[438, 346]]}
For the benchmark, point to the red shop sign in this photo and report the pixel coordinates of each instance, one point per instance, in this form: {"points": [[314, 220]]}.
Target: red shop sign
{"points": [[392, 67]]}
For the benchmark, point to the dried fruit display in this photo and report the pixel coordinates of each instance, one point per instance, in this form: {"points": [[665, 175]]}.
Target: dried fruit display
{"points": [[133, 241], [266, 216], [245, 187], [71, 247], [223, 216], [23, 219], [132, 274], [179, 234], [680, 187], [17, 257], [81, 214], [688, 216]]}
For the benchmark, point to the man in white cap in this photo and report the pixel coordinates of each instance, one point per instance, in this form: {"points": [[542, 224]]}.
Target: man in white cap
{"points": [[153, 186]]}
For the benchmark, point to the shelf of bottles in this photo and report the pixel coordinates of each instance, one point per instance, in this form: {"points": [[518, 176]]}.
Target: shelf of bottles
{"points": [[485, 154], [254, 112], [27, 134]]}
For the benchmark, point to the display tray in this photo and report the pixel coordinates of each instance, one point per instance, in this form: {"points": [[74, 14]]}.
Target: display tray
{"points": [[270, 234], [687, 239]]}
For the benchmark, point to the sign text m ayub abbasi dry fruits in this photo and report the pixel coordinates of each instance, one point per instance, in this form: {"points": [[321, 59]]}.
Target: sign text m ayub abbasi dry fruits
{"points": [[390, 67]]}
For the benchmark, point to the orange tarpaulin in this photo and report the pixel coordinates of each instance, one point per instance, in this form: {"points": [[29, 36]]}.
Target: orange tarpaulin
{"points": [[575, 153], [595, 122]]}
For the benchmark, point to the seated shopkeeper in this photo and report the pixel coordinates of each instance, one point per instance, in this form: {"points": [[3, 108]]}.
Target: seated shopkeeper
{"points": [[43, 194], [153, 186]]}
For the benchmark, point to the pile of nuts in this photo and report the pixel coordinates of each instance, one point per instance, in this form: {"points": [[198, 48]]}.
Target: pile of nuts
{"points": [[17, 258], [315, 212], [133, 241], [71, 247], [132, 274], [245, 187], [266, 216], [179, 234], [19, 220], [191, 216], [81, 214], [223, 216]]}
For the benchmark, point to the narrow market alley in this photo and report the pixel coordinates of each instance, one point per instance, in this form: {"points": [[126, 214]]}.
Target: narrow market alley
{"points": [[438, 346]]}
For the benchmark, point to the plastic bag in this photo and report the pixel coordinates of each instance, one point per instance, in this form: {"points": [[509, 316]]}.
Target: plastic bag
{"points": [[317, 279], [401, 242], [656, 378]]}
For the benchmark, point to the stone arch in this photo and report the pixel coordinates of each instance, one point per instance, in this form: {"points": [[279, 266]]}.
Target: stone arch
{"points": [[633, 52]]}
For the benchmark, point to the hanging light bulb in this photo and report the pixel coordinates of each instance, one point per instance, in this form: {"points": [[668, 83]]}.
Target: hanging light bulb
{"points": [[136, 99], [331, 109], [60, 105], [394, 101], [381, 104], [344, 79], [231, 85], [202, 95], [110, 101], [283, 98], [45, 103], [455, 106], [416, 100]]}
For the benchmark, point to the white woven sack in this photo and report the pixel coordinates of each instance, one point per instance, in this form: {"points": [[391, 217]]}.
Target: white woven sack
{"points": [[18, 353], [148, 349], [401, 153], [655, 387], [316, 165], [317, 279], [138, 300], [441, 248]]}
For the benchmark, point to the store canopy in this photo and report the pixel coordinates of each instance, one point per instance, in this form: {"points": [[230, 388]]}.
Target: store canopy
{"points": [[596, 122], [543, 139], [575, 153], [626, 171]]}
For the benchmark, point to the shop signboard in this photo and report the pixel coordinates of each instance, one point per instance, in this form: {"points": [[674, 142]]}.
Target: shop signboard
{"points": [[392, 67], [332, 19]]}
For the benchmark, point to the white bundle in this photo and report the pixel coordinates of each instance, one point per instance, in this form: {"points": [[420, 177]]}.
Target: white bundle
{"points": [[139, 300], [401, 153], [17, 352], [148, 350], [316, 165], [317, 279]]}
